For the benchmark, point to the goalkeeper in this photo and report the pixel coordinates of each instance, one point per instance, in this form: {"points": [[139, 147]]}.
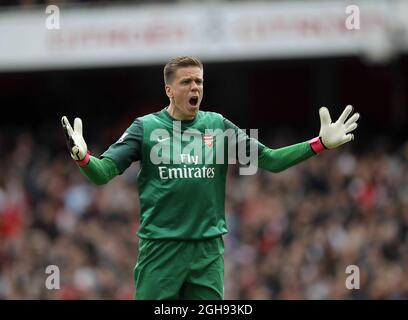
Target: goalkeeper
{"points": [[182, 220]]}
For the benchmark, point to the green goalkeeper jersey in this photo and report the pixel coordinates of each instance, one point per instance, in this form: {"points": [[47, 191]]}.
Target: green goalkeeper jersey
{"points": [[183, 170]]}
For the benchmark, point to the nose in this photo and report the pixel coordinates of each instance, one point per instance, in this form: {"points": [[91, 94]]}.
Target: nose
{"points": [[194, 86]]}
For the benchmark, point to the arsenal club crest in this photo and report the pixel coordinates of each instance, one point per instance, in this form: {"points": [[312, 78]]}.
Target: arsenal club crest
{"points": [[208, 140]]}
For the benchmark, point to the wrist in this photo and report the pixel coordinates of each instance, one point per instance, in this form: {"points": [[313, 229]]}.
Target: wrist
{"points": [[82, 163], [317, 145]]}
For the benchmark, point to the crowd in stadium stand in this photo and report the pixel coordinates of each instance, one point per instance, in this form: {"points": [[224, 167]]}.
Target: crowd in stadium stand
{"points": [[292, 235]]}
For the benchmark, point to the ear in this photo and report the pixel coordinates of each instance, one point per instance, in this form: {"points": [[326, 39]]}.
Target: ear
{"points": [[169, 91]]}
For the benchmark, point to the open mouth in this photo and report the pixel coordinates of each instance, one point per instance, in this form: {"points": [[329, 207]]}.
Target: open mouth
{"points": [[193, 101]]}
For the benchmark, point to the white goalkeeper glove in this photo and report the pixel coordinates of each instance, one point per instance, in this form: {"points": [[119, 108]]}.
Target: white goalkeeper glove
{"points": [[337, 133], [75, 141], [334, 134]]}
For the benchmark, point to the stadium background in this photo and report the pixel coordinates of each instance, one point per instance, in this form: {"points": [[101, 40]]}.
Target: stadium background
{"points": [[292, 234]]}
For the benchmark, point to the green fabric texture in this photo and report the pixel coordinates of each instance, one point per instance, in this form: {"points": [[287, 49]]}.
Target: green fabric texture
{"points": [[100, 171], [188, 269], [277, 160]]}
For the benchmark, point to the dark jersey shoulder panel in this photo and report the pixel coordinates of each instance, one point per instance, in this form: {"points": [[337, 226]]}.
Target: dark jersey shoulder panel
{"points": [[128, 148]]}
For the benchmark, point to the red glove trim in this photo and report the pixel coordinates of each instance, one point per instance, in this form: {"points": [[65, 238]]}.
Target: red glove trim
{"points": [[82, 163], [317, 145]]}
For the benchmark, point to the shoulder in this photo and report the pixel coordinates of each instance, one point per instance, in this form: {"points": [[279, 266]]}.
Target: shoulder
{"points": [[141, 121], [150, 116], [210, 119], [211, 115]]}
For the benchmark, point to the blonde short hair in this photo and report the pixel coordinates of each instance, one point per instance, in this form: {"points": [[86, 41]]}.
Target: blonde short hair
{"points": [[179, 62]]}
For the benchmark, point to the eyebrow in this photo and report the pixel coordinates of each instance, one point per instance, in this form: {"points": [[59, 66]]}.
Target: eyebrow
{"points": [[191, 78]]}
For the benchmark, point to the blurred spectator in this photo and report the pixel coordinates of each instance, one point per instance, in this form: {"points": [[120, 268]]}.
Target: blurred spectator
{"points": [[292, 235]]}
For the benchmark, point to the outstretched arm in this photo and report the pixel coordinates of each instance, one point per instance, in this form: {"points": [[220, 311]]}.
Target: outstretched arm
{"points": [[331, 135], [98, 171]]}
